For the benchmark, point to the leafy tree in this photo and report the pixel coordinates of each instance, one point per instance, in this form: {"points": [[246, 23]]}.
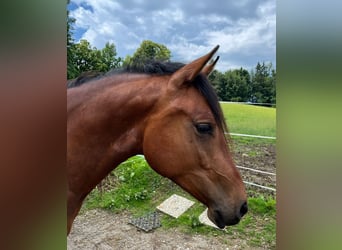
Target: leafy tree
{"points": [[233, 85], [85, 58], [81, 57], [71, 68], [263, 84], [127, 61], [214, 79], [273, 87], [239, 82], [106, 58], [70, 22], [149, 50], [219, 82]]}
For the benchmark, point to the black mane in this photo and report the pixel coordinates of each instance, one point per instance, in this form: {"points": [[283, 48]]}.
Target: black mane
{"points": [[154, 68], [84, 77], [148, 67], [201, 82]]}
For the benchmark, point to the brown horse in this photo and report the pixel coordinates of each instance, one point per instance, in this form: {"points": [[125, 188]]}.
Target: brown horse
{"points": [[170, 113]]}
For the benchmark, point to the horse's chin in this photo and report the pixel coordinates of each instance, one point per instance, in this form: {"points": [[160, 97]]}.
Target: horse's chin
{"points": [[219, 220]]}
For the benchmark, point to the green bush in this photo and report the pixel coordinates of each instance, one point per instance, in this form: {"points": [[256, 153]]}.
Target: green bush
{"points": [[262, 205]]}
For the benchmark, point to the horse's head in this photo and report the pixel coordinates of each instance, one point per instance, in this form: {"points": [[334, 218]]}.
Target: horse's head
{"points": [[184, 140]]}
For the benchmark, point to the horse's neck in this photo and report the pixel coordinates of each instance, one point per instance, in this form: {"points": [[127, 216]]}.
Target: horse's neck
{"points": [[129, 106], [108, 128]]}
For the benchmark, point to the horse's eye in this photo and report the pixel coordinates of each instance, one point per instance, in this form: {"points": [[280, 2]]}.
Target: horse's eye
{"points": [[204, 128]]}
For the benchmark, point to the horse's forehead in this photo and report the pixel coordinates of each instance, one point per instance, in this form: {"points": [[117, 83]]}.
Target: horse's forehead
{"points": [[194, 97], [193, 102]]}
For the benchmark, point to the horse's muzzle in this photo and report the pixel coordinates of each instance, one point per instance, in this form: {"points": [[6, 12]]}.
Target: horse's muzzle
{"points": [[243, 209], [221, 220]]}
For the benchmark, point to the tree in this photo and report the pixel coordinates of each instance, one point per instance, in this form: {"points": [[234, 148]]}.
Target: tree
{"points": [[219, 82], [127, 61], [71, 68], [106, 58], [273, 87], [233, 85], [214, 79], [241, 86], [81, 57], [88, 58], [85, 58], [263, 84], [239, 82], [149, 50]]}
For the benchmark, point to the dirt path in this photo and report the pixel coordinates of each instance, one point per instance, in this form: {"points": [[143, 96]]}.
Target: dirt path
{"points": [[99, 229]]}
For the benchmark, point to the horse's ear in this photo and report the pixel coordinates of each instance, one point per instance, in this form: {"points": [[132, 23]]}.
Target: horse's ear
{"points": [[188, 73], [209, 68]]}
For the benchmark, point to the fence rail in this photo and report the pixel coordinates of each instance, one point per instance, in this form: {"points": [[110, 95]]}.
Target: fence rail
{"points": [[255, 136], [246, 182], [256, 170], [251, 103], [260, 186]]}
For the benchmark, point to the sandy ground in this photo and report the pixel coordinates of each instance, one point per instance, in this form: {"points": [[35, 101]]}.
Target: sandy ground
{"points": [[99, 229]]}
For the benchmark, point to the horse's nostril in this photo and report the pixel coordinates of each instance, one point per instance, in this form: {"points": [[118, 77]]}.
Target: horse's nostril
{"points": [[243, 209]]}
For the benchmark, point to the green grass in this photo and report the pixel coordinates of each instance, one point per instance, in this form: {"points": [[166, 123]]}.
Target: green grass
{"points": [[249, 119], [136, 188], [133, 183]]}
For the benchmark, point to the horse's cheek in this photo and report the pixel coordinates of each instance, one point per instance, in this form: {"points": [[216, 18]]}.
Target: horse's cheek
{"points": [[158, 154]]}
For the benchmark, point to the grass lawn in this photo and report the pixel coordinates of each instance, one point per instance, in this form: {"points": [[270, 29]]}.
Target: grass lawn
{"points": [[249, 119]]}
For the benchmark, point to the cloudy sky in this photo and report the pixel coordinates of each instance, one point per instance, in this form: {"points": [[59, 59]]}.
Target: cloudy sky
{"points": [[244, 29]]}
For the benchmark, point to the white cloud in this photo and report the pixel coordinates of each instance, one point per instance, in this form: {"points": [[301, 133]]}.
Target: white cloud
{"points": [[214, 19], [246, 35], [244, 39], [186, 51], [169, 16]]}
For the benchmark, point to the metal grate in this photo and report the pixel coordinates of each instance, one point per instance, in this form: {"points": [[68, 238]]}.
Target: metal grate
{"points": [[147, 222]]}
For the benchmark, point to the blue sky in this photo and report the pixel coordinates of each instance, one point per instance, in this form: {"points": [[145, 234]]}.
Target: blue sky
{"points": [[244, 29]]}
